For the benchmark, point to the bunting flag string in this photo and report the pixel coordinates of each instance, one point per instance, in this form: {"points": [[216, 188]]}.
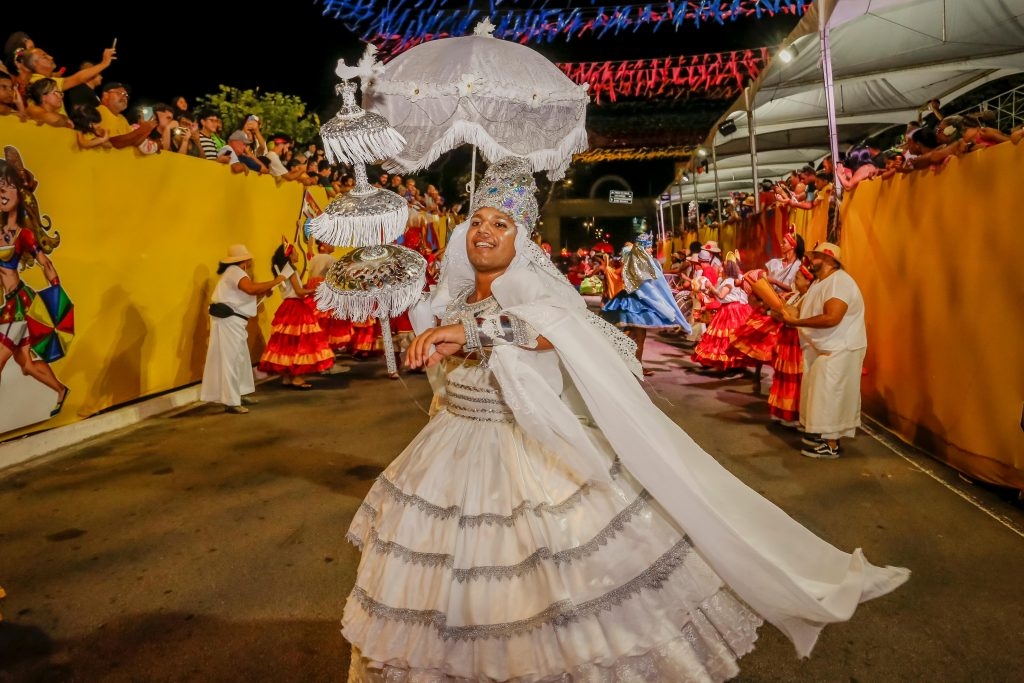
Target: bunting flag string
{"points": [[719, 75], [395, 27]]}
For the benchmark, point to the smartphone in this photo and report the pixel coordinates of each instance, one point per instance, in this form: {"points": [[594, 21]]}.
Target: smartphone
{"points": [[147, 113]]}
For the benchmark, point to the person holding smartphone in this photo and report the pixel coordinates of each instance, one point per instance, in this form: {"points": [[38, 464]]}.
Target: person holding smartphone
{"points": [[114, 101], [252, 128]]}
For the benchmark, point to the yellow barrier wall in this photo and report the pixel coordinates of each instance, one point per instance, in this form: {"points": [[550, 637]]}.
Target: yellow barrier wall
{"points": [[140, 242], [937, 256]]}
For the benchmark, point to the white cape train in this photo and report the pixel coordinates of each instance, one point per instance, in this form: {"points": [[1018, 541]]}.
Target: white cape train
{"points": [[792, 578]]}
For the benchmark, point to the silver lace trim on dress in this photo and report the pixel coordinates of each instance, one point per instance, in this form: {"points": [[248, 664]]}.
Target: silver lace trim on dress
{"points": [[531, 563], [488, 518], [557, 615]]}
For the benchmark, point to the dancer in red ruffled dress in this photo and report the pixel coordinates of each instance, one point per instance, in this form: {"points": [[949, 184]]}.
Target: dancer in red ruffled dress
{"points": [[297, 346], [713, 349], [784, 396], [339, 332], [757, 338]]}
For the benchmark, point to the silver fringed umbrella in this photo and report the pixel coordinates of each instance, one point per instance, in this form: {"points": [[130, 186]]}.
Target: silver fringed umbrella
{"points": [[363, 217], [356, 136], [380, 281], [366, 215]]}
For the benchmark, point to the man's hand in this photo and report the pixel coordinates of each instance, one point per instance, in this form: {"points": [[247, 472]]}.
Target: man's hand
{"points": [[446, 340], [790, 315]]}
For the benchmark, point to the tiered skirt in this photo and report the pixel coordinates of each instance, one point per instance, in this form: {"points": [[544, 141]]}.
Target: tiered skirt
{"points": [[486, 559]]}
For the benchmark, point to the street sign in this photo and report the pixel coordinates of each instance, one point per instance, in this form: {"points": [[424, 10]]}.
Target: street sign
{"points": [[620, 197]]}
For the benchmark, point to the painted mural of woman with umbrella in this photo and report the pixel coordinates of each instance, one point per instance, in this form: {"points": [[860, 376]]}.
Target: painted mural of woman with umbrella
{"points": [[24, 241]]}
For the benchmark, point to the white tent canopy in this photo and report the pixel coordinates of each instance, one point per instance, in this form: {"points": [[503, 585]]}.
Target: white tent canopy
{"points": [[889, 58]]}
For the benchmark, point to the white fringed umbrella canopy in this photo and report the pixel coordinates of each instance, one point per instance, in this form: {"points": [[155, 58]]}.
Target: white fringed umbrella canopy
{"points": [[503, 97], [381, 281]]}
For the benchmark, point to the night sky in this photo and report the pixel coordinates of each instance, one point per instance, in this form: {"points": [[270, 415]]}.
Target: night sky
{"points": [[191, 48]]}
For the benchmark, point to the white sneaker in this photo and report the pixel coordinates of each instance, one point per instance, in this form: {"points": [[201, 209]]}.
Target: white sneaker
{"points": [[822, 452]]}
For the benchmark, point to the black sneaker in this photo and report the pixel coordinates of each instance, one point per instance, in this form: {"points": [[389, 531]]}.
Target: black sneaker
{"points": [[811, 440], [822, 451]]}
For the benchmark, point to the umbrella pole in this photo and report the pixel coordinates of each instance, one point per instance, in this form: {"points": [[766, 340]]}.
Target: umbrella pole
{"points": [[472, 177], [389, 347]]}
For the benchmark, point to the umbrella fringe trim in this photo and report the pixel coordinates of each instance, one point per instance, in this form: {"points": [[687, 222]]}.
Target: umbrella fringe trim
{"points": [[554, 161], [367, 148], [359, 231], [359, 306]]}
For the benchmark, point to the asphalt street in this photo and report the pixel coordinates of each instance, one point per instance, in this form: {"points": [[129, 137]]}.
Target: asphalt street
{"points": [[203, 546]]}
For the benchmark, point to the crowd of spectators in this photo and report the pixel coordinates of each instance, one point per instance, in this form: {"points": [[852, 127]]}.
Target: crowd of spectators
{"points": [[32, 88], [928, 144]]}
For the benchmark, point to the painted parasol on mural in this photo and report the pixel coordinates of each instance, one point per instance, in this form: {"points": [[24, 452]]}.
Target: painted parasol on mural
{"points": [[51, 323], [502, 97]]}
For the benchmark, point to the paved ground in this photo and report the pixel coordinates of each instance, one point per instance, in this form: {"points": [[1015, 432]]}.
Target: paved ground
{"points": [[201, 546]]}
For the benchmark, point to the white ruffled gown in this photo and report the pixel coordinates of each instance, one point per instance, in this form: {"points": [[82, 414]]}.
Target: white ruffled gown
{"points": [[485, 558]]}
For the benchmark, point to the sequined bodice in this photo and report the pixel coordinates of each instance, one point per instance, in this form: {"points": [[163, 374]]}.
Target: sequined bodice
{"points": [[458, 308], [471, 390]]}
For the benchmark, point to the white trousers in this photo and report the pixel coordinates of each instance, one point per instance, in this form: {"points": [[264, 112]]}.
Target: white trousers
{"points": [[228, 372], [830, 393]]}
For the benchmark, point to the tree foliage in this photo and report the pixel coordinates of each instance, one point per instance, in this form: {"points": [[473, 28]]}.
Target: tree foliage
{"points": [[279, 113]]}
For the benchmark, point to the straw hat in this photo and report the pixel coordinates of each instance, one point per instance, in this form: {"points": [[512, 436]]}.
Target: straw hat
{"points": [[236, 254], [830, 250]]}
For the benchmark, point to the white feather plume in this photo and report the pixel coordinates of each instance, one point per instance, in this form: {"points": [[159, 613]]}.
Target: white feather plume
{"points": [[367, 68]]}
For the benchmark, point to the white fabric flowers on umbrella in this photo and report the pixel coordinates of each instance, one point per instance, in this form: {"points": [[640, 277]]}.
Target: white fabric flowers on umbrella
{"points": [[503, 97]]}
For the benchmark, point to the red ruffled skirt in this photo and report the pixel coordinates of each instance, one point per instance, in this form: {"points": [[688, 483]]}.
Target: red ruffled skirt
{"points": [[297, 345], [713, 349], [757, 338], [339, 332], [784, 397], [367, 338]]}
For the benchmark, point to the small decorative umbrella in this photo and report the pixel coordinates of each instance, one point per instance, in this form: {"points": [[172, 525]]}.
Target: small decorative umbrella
{"points": [[380, 281], [505, 98], [51, 323], [365, 215]]}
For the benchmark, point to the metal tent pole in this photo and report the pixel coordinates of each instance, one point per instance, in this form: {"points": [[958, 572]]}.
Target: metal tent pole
{"points": [[753, 149]]}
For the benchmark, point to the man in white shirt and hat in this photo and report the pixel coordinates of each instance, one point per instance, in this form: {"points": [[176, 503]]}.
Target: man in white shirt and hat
{"points": [[834, 339]]}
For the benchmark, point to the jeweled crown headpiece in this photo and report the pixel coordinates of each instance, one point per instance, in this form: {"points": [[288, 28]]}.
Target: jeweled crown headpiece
{"points": [[509, 187], [644, 240]]}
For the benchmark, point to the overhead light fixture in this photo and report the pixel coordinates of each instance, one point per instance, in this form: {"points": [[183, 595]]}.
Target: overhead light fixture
{"points": [[701, 152], [788, 54], [727, 127]]}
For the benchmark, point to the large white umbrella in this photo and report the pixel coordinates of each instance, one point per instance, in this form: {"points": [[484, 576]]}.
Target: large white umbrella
{"points": [[505, 98]]}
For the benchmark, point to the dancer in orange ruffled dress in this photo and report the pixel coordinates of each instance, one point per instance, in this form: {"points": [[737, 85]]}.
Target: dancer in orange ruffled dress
{"points": [[297, 346]]}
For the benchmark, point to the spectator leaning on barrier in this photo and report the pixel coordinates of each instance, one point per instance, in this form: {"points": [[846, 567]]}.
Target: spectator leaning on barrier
{"points": [[834, 340], [46, 103], [232, 153], [114, 101], [209, 133]]}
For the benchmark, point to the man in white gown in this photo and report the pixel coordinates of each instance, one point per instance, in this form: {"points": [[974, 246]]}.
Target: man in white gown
{"points": [[531, 532]]}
